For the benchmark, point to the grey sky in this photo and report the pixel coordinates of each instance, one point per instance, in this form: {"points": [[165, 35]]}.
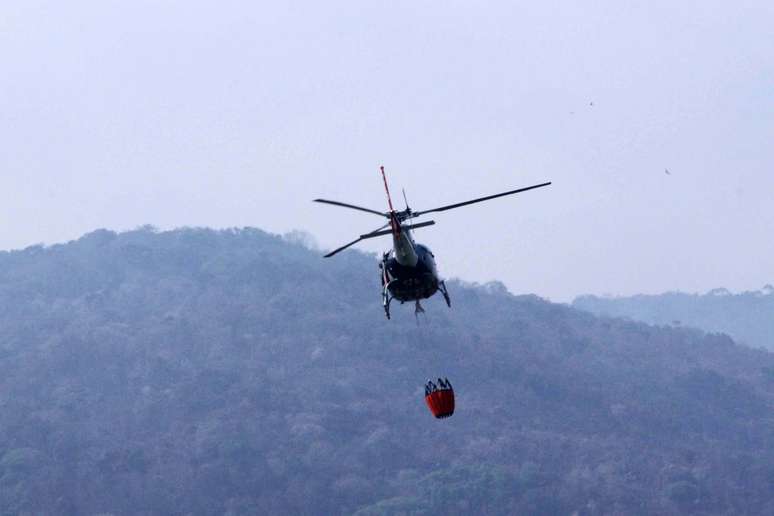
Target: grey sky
{"points": [[117, 114]]}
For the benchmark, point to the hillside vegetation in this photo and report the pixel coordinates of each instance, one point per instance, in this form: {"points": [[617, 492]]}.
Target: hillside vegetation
{"points": [[748, 316], [237, 372]]}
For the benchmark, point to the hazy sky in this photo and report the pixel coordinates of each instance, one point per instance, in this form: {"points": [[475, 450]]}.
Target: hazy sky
{"points": [[238, 113]]}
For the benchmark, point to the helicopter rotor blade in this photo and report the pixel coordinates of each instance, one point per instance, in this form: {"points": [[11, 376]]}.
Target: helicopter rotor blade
{"points": [[387, 232], [480, 199], [342, 248], [362, 237], [352, 206]]}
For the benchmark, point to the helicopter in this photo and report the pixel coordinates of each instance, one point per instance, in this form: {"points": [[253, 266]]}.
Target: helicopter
{"points": [[408, 271]]}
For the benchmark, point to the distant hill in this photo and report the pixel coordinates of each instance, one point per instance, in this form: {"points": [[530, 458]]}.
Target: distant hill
{"points": [[748, 317], [238, 372]]}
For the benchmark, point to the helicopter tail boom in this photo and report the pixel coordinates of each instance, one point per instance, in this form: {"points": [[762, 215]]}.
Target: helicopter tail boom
{"points": [[394, 222]]}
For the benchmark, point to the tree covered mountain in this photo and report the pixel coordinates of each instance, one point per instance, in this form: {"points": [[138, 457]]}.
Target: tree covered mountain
{"points": [[748, 317], [237, 372]]}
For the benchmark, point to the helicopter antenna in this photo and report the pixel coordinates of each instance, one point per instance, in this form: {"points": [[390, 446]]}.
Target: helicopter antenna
{"points": [[408, 213]]}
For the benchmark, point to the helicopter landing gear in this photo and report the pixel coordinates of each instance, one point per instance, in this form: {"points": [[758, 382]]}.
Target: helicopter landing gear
{"points": [[386, 298], [442, 288], [386, 282]]}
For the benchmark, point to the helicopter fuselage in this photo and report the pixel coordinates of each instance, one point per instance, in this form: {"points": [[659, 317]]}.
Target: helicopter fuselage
{"points": [[408, 270], [410, 280]]}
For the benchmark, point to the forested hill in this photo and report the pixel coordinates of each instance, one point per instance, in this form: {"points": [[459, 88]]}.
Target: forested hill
{"points": [[236, 372], [748, 316]]}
